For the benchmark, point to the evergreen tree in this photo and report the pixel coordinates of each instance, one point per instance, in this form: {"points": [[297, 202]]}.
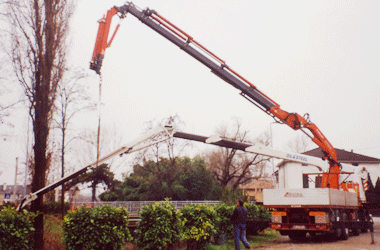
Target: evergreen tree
{"points": [[377, 191], [370, 192], [183, 179]]}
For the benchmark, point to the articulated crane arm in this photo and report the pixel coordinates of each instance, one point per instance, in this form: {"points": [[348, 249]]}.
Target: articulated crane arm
{"points": [[158, 134], [217, 66]]}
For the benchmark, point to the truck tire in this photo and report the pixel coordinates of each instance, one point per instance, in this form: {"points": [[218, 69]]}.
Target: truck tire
{"points": [[297, 235], [313, 236], [344, 233], [337, 234], [356, 230]]}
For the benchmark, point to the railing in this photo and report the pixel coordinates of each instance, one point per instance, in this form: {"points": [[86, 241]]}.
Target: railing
{"points": [[133, 207]]}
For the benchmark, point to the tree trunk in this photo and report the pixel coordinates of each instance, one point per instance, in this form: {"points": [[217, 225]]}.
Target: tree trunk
{"points": [[93, 186], [63, 169], [41, 132]]}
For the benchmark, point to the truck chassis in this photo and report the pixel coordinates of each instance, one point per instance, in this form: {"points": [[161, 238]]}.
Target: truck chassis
{"points": [[335, 221]]}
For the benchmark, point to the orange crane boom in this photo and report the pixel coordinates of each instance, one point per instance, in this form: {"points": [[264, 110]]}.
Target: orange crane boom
{"points": [[187, 43]]}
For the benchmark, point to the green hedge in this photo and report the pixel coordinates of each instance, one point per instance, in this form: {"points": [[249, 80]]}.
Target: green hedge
{"points": [[96, 228], [16, 229], [199, 222], [257, 212], [160, 226], [224, 213]]}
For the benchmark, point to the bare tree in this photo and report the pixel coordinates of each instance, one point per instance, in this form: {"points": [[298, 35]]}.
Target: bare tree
{"points": [[38, 31], [172, 148], [110, 139], [232, 167], [10, 97], [71, 99], [299, 144]]}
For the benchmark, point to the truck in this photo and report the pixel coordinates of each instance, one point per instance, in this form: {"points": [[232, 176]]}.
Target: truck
{"points": [[316, 210], [330, 208], [311, 209]]}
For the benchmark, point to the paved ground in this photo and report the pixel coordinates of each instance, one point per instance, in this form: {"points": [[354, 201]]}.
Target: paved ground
{"points": [[361, 242]]}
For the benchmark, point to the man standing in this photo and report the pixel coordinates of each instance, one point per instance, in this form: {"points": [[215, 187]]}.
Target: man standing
{"points": [[239, 219]]}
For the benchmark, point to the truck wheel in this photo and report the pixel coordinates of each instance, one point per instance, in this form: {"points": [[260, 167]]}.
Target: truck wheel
{"points": [[313, 236], [297, 235], [283, 232], [356, 231], [345, 233], [338, 233]]}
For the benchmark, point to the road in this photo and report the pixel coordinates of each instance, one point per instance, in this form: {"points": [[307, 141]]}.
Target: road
{"points": [[361, 242]]}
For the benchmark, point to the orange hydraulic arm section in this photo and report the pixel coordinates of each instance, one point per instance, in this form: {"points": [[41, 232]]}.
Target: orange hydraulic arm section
{"points": [[162, 26]]}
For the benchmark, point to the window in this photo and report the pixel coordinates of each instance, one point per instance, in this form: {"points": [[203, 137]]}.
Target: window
{"points": [[305, 180], [318, 181]]}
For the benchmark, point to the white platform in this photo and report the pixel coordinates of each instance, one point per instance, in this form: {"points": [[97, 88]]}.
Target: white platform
{"points": [[307, 197]]}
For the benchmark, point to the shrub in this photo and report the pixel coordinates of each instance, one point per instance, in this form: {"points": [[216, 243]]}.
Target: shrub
{"points": [[160, 226], [263, 213], [16, 229], [199, 225], [257, 212], [224, 213], [96, 228]]}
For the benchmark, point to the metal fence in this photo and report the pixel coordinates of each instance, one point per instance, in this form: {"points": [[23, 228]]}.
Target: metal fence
{"points": [[133, 207]]}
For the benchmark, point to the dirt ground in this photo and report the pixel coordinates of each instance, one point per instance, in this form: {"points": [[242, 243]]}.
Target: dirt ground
{"points": [[361, 242]]}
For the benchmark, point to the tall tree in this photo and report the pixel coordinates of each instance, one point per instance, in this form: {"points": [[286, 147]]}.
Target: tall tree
{"points": [[38, 31], [10, 97]]}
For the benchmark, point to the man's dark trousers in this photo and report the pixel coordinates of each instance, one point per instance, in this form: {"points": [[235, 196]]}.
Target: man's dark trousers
{"points": [[240, 236]]}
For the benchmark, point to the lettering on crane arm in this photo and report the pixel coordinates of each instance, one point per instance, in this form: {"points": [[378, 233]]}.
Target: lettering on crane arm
{"points": [[296, 157], [291, 195]]}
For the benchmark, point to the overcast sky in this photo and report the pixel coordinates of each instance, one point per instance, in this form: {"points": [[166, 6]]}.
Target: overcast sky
{"points": [[317, 57]]}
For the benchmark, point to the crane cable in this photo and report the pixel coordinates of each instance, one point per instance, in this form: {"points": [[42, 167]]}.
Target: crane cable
{"points": [[99, 116]]}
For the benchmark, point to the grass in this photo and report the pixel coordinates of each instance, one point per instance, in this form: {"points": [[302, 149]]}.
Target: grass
{"points": [[254, 241], [53, 232]]}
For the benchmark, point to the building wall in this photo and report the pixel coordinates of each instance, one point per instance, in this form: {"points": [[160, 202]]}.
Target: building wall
{"points": [[8, 189], [254, 190]]}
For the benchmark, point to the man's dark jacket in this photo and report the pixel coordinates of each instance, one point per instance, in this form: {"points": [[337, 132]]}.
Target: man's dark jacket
{"points": [[239, 215]]}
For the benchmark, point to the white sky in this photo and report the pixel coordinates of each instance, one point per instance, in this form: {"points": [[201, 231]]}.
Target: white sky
{"points": [[317, 57]]}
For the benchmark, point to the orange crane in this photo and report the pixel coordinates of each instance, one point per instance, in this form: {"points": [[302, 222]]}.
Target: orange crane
{"points": [[187, 43]]}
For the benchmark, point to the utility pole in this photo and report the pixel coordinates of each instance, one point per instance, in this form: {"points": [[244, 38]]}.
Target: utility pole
{"points": [[27, 156], [99, 109], [62, 175], [15, 185], [98, 137]]}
